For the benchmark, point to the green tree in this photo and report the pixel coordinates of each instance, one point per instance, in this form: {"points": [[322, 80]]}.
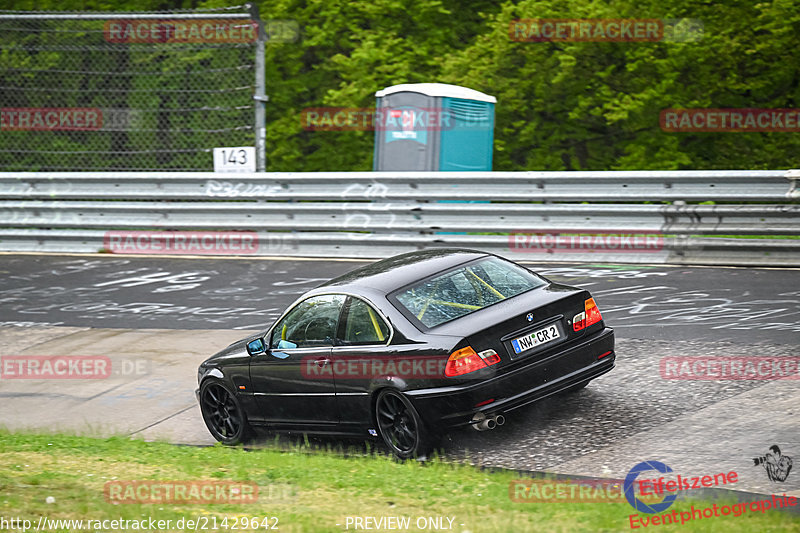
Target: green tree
{"points": [[561, 105]]}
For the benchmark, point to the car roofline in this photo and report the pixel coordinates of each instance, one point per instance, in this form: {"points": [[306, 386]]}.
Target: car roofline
{"points": [[379, 282]]}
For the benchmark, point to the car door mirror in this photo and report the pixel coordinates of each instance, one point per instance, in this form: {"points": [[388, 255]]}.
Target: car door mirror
{"points": [[256, 347]]}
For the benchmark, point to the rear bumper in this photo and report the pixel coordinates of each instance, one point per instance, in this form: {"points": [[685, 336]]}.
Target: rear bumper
{"points": [[456, 405]]}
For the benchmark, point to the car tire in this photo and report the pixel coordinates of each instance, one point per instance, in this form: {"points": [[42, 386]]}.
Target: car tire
{"points": [[223, 413], [401, 427]]}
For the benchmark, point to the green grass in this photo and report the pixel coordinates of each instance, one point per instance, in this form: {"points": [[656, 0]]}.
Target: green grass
{"points": [[308, 490]]}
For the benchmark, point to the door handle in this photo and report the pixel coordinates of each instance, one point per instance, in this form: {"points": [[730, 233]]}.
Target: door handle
{"points": [[322, 361]]}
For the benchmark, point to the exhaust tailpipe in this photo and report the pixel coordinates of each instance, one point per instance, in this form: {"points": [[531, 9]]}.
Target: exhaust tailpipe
{"points": [[484, 424], [481, 422]]}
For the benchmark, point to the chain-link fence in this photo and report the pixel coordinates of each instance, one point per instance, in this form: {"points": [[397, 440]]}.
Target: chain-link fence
{"points": [[127, 91]]}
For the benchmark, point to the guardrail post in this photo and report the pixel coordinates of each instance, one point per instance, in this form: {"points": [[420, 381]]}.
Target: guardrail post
{"points": [[793, 175]]}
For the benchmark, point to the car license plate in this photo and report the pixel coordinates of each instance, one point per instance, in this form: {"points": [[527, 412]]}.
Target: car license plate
{"points": [[537, 338]]}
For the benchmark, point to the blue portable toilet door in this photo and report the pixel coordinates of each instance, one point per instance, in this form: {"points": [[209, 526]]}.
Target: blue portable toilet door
{"points": [[468, 144]]}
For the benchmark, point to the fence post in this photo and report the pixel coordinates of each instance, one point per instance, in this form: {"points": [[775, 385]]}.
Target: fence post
{"points": [[260, 97]]}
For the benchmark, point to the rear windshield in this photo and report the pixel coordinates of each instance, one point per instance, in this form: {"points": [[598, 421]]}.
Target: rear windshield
{"points": [[465, 289]]}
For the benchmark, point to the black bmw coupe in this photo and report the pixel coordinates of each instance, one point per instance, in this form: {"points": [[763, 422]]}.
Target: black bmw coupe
{"points": [[405, 349]]}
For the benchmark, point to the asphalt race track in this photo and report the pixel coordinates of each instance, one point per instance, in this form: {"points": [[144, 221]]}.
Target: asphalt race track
{"points": [[630, 415], [642, 302]]}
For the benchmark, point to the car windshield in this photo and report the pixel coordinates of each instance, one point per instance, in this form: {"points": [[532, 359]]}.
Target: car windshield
{"points": [[465, 289]]}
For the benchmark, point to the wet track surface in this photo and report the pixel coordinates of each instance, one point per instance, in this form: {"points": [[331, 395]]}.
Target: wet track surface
{"points": [[737, 304], [629, 415]]}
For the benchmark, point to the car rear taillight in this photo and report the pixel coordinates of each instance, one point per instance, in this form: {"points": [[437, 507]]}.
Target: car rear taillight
{"points": [[467, 360], [590, 315], [489, 357]]}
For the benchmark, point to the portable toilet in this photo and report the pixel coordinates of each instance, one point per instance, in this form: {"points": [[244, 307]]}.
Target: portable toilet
{"points": [[433, 126]]}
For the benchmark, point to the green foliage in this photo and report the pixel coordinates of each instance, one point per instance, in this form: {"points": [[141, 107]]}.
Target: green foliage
{"points": [[561, 105], [596, 105]]}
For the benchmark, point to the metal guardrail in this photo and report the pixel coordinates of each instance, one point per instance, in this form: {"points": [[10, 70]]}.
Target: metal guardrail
{"points": [[533, 216], [606, 186]]}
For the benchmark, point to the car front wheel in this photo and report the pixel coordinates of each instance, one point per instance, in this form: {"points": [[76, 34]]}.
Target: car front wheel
{"points": [[223, 414], [400, 425]]}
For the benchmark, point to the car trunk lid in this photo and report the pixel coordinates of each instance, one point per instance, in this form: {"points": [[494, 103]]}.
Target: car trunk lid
{"points": [[523, 326]]}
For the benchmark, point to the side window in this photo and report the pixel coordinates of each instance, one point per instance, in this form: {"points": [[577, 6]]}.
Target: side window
{"points": [[310, 323], [363, 325]]}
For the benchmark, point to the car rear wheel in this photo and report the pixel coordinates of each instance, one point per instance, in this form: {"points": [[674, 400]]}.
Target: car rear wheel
{"points": [[400, 425], [223, 414]]}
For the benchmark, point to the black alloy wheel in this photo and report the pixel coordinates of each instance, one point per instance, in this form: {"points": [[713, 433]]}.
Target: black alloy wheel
{"points": [[400, 425], [223, 413]]}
